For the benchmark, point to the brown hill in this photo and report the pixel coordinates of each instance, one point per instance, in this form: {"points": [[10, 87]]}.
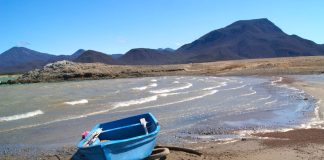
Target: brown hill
{"points": [[91, 56], [147, 56]]}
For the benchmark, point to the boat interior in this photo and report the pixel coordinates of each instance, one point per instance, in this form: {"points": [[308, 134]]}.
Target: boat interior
{"points": [[127, 128]]}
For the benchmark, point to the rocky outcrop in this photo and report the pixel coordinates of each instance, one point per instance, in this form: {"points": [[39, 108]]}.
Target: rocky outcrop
{"points": [[66, 70], [59, 71]]}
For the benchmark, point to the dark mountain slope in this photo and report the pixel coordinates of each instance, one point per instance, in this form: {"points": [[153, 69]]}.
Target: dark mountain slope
{"points": [[147, 56], [20, 59], [19, 55], [91, 56], [258, 38]]}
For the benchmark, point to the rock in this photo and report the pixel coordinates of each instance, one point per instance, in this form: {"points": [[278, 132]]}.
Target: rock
{"points": [[59, 65], [66, 70]]}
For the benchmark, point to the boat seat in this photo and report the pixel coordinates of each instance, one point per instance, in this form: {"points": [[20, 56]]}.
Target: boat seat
{"points": [[118, 128], [96, 142]]}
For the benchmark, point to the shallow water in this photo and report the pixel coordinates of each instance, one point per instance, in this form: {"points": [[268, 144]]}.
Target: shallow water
{"points": [[188, 108]]}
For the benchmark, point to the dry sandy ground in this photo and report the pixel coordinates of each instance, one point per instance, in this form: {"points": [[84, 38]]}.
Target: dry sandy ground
{"points": [[292, 145]]}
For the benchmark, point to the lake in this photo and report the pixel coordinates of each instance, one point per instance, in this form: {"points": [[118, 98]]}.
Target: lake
{"points": [[189, 108]]}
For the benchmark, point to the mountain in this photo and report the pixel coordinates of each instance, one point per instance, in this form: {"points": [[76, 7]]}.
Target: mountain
{"points": [[257, 38], [20, 59], [91, 56], [18, 55], [245, 39], [147, 56]]}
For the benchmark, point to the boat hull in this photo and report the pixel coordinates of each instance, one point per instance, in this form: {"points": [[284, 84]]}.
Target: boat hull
{"points": [[128, 142]]}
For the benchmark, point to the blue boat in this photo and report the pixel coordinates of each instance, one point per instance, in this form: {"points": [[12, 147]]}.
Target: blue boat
{"points": [[132, 138]]}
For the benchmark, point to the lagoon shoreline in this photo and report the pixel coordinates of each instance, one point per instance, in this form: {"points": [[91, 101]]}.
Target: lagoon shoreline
{"points": [[70, 71]]}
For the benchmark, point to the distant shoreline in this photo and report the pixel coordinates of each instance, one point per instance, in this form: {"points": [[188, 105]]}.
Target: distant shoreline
{"points": [[69, 71]]}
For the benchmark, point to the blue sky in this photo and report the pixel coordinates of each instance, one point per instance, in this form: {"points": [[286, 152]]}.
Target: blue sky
{"points": [[115, 26]]}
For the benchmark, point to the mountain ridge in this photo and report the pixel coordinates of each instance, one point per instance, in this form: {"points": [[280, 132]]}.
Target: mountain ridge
{"points": [[243, 39]]}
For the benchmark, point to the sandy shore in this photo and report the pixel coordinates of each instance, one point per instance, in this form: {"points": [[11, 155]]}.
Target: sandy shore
{"points": [[294, 144], [315, 89]]}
